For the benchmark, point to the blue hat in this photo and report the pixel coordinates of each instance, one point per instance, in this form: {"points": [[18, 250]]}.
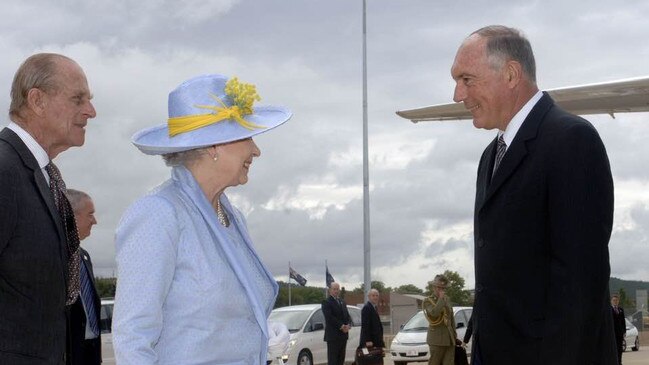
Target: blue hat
{"points": [[208, 110]]}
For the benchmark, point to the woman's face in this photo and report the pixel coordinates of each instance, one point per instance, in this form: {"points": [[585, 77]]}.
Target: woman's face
{"points": [[234, 160]]}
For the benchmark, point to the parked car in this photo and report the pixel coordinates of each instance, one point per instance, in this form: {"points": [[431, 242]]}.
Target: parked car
{"points": [[409, 345], [631, 337], [106, 320], [306, 325]]}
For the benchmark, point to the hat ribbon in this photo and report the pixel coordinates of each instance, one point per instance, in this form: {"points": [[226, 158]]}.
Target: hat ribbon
{"points": [[187, 123]]}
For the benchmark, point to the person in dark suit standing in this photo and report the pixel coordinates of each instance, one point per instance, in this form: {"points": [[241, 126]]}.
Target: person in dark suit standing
{"points": [[85, 331], [337, 325], [619, 325], [50, 107], [543, 214], [371, 326]]}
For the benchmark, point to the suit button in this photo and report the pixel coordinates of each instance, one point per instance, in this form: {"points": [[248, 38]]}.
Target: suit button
{"points": [[480, 242]]}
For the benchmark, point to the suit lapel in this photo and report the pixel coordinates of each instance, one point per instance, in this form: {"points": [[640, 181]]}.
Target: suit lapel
{"points": [[30, 162], [484, 173], [518, 149]]}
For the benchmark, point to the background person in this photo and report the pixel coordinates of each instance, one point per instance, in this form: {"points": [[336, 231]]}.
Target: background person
{"points": [[371, 328], [441, 336], [85, 322], [191, 288], [337, 325], [619, 325], [543, 214], [39, 258]]}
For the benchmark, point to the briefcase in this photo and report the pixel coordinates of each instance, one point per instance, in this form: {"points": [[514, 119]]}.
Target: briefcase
{"points": [[460, 356], [374, 356]]}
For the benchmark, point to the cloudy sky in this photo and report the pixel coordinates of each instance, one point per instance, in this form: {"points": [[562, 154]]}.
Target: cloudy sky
{"points": [[304, 198]]}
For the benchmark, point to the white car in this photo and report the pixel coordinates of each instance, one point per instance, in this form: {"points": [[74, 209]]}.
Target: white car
{"points": [[306, 325], [631, 337], [409, 345], [106, 319]]}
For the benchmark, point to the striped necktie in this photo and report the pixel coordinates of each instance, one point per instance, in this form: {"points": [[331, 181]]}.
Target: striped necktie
{"points": [[58, 189], [88, 298], [500, 153]]}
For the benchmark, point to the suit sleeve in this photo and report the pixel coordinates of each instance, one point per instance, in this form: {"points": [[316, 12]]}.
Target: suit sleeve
{"points": [[146, 244], [9, 207], [580, 209], [366, 326]]}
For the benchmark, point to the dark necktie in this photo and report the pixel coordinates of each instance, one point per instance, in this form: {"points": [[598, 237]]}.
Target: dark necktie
{"points": [[88, 298], [500, 153], [58, 189]]}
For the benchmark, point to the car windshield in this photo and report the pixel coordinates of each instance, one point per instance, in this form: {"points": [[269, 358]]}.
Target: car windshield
{"points": [[417, 323], [294, 320]]}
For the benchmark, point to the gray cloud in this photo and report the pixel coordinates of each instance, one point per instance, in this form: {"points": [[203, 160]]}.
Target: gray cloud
{"points": [[307, 55]]}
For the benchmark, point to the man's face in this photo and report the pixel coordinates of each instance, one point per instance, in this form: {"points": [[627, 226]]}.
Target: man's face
{"points": [[85, 217], [615, 301], [481, 88], [66, 111], [373, 297], [334, 290]]}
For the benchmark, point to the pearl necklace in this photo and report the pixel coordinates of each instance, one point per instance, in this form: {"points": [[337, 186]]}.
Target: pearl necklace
{"points": [[220, 214]]}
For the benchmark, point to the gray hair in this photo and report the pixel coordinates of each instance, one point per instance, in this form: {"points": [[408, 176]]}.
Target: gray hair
{"points": [[38, 71], [505, 44], [184, 158], [76, 197]]}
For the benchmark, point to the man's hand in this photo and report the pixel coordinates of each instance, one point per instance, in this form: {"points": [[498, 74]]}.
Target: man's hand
{"points": [[369, 344]]}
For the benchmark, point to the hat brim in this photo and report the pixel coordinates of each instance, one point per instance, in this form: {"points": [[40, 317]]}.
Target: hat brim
{"points": [[156, 140]]}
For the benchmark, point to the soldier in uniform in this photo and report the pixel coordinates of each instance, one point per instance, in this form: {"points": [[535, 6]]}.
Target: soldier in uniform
{"points": [[441, 324]]}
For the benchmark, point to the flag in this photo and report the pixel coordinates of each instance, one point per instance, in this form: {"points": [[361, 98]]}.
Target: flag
{"points": [[330, 279], [299, 278]]}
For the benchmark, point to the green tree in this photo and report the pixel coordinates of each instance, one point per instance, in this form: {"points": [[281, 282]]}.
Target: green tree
{"points": [[376, 284], [106, 287], [299, 295], [408, 289], [455, 289]]}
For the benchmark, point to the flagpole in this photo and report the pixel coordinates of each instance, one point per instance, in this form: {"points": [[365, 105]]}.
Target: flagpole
{"points": [[289, 283], [326, 270], [366, 177]]}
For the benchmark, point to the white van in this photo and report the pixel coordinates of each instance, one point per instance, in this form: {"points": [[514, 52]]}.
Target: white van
{"points": [[306, 325]]}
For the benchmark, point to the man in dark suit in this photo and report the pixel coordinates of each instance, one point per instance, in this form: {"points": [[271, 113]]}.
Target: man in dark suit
{"points": [[619, 325], [84, 338], [543, 214], [50, 106], [371, 326], [337, 325]]}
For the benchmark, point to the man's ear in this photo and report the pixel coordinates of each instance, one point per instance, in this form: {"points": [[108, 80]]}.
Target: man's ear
{"points": [[514, 73], [37, 101]]}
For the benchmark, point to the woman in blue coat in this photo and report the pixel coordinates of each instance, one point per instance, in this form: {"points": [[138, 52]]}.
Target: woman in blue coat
{"points": [[191, 289]]}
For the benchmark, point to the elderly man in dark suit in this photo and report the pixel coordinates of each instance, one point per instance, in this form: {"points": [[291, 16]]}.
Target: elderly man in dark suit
{"points": [[371, 326], [337, 325], [543, 214], [50, 107], [619, 325], [85, 330]]}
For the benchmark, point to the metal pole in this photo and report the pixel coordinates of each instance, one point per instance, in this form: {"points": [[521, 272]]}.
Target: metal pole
{"points": [[289, 283], [366, 177]]}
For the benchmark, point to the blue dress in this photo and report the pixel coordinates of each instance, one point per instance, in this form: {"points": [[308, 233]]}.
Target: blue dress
{"points": [[189, 290]]}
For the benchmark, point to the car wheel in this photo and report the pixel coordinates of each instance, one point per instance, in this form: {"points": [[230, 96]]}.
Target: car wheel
{"points": [[304, 358], [624, 345], [637, 344]]}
